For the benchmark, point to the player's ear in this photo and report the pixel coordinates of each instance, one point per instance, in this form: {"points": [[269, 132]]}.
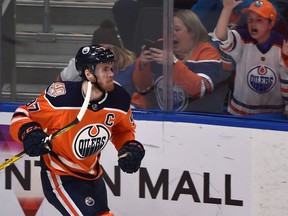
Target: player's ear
{"points": [[89, 75]]}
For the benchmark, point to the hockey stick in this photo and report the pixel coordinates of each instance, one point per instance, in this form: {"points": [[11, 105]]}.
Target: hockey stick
{"points": [[57, 133]]}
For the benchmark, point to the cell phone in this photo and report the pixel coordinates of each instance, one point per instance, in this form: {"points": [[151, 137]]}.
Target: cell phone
{"points": [[155, 44], [158, 44], [148, 43]]}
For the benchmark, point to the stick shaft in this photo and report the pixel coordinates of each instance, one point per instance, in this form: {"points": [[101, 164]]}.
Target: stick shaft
{"points": [[12, 160]]}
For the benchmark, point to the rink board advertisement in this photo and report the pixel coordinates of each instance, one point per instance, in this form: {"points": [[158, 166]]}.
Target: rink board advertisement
{"points": [[190, 168]]}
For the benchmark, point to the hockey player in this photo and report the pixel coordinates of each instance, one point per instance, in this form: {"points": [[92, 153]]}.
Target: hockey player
{"points": [[70, 170], [261, 56]]}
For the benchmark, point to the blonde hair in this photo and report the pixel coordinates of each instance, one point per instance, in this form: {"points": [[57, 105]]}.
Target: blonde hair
{"points": [[193, 23], [123, 57]]}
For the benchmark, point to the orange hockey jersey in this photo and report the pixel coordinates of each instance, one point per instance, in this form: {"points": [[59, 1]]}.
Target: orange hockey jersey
{"points": [[77, 151]]}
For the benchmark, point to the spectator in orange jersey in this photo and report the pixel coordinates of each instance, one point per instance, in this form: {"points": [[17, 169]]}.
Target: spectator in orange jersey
{"points": [[199, 84]]}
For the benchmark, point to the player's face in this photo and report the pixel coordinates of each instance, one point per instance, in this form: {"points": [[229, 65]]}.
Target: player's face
{"points": [[105, 76], [182, 38], [259, 27]]}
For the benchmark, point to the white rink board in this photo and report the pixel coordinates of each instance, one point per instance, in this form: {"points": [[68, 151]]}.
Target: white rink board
{"points": [[252, 163], [198, 149]]}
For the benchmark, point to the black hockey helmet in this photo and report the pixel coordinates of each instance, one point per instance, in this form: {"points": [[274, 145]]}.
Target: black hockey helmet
{"points": [[90, 56]]}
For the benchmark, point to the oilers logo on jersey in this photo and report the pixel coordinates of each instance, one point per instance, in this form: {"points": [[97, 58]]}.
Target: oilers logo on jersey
{"points": [[180, 98], [90, 140], [261, 79]]}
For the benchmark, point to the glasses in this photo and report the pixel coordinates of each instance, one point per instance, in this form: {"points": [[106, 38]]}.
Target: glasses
{"points": [[258, 4]]}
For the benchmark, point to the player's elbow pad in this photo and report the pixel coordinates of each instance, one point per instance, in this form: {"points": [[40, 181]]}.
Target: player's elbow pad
{"points": [[130, 156]]}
